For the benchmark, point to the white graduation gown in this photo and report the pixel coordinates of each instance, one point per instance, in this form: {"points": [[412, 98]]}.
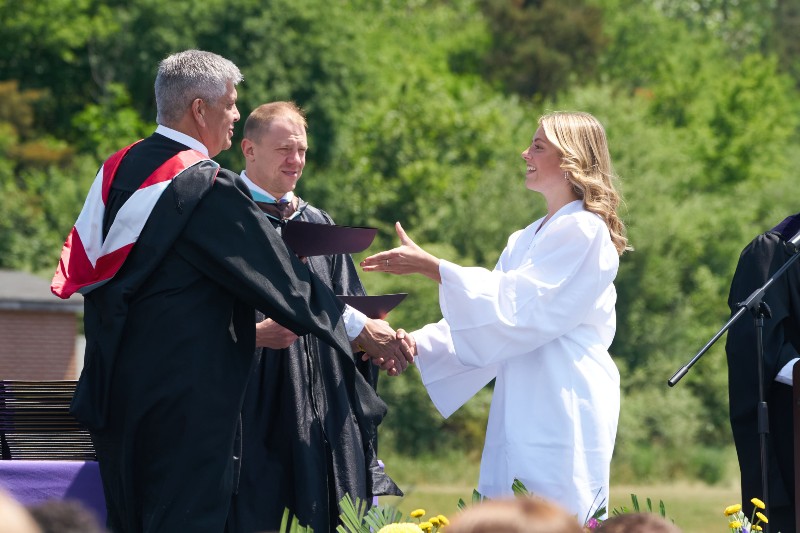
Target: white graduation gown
{"points": [[541, 324]]}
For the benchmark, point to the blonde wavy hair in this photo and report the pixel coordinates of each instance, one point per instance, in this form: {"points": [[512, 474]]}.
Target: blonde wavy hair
{"points": [[586, 163]]}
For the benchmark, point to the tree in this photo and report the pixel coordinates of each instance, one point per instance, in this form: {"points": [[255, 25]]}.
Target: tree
{"points": [[538, 47]]}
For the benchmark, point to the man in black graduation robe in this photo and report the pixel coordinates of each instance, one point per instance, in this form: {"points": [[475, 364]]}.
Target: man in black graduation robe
{"points": [[310, 417], [170, 337], [781, 335]]}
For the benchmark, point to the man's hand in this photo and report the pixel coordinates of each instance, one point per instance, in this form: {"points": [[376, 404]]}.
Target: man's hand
{"points": [[385, 347], [270, 334]]}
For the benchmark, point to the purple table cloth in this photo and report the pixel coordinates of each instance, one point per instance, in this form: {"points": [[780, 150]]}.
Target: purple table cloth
{"points": [[33, 482]]}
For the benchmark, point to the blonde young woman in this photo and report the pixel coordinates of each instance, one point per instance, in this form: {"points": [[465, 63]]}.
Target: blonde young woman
{"points": [[540, 324]]}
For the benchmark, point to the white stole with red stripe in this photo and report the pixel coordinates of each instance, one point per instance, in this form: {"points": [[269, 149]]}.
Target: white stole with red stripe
{"points": [[88, 260]]}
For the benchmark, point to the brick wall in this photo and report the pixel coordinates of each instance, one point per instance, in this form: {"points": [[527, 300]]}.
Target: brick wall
{"points": [[37, 345]]}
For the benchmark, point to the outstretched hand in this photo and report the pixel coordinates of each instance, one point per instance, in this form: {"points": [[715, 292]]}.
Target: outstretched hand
{"points": [[408, 258]]}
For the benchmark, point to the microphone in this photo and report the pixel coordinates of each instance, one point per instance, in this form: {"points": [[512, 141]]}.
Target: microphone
{"points": [[795, 241]]}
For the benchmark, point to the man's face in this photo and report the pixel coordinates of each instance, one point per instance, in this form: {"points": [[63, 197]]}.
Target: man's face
{"points": [[219, 119], [275, 159]]}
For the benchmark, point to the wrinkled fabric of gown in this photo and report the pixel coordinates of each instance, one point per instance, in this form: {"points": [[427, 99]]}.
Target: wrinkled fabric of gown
{"points": [[309, 422], [540, 324]]}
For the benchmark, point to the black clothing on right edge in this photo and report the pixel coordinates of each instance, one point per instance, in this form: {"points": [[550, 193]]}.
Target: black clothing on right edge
{"points": [[781, 334]]}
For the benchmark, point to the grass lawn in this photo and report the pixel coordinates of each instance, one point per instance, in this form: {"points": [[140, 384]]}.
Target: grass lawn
{"points": [[437, 485], [695, 508]]}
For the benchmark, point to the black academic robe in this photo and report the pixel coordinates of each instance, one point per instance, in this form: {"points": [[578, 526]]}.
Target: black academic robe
{"points": [[171, 339], [781, 335], [309, 422]]}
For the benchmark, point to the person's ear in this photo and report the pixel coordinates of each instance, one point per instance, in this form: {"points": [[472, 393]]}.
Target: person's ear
{"points": [[198, 111], [248, 149]]}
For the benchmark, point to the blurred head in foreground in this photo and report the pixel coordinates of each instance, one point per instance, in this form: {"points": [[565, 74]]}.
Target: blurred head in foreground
{"points": [[14, 518], [516, 515], [637, 523]]}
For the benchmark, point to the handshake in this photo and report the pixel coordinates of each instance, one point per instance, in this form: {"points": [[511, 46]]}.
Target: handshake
{"points": [[388, 349]]}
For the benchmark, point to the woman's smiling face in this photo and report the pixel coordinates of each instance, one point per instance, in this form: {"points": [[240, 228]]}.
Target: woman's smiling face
{"points": [[543, 164]]}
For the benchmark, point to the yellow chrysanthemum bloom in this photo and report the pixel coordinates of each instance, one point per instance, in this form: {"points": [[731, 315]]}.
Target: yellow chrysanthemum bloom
{"points": [[733, 509], [758, 503], [443, 520], [735, 524], [405, 527], [761, 517], [416, 513], [434, 520], [757, 528], [426, 526]]}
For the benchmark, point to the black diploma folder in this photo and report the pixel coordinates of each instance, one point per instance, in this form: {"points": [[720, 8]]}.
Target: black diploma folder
{"points": [[307, 239]]}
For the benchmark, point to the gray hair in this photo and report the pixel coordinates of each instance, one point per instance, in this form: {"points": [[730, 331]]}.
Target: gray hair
{"points": [[188, 75]]}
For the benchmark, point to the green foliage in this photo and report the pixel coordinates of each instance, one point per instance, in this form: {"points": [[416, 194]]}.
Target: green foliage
{"points": [[477, 497], [538, 48], [414, 426], [113, 123], [290, 524], [359, 517], [637, 508]]}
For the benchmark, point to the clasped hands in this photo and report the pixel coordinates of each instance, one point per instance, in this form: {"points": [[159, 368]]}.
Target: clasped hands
{"points": [[388, 349]]}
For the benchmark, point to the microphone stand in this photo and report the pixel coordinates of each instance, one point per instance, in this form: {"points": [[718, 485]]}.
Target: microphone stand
{"points": [[760, 310]]}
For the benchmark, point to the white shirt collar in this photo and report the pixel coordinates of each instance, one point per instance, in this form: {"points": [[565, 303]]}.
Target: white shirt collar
{"points": [[289, 196], [182, 138]]}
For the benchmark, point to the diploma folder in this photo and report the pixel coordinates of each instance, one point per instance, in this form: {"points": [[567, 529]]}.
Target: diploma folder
{"points": [[374, 306], [307, 239]]}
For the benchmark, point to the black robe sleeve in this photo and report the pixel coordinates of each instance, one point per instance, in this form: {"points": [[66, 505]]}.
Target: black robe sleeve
{"points": [[228, 239], [781, 336]]}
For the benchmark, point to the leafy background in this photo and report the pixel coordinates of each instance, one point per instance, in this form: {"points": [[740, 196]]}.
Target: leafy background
{"points": [[418, 112]]}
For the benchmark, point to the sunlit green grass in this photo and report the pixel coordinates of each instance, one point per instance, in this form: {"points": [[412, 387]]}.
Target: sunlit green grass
{"points": [[436, 484]]}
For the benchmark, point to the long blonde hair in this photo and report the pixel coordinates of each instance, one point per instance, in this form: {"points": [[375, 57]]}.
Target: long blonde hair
{"points": [[587, 165]]}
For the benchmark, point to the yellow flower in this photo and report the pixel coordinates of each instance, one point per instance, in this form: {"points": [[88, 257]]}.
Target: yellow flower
{"points": [[434, 520], [416, 513], [443, 520], [758, 503], [761, 517], [405, 527], [758, 528], [735, 524], [426, 526], [733, 509]]}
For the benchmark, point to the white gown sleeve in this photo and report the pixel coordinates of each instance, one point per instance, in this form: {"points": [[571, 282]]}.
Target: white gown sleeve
{"points": [[497, 315], [449, 382]]}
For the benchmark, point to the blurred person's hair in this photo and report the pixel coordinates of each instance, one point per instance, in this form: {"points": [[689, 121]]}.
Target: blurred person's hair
{"points": [[515, 515], [65, 516], [637, 523]]}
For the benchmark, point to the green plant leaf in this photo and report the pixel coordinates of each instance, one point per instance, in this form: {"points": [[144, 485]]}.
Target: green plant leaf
{"points": [[352, 516], [377, 517], [519, 488], [635, 500]]}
